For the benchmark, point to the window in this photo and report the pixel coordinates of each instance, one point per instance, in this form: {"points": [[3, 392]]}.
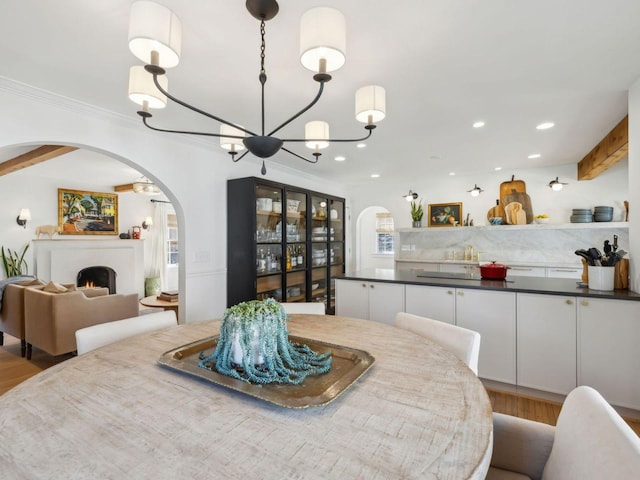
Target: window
{"points": [[384, 233], [172, 240]]}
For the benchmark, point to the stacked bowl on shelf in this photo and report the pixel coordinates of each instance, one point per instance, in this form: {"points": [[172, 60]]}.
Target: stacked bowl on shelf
{"points": [[581, 215], [603, 214]]}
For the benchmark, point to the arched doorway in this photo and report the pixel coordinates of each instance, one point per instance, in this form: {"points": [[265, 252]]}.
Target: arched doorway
{"points": [[372, 249]]}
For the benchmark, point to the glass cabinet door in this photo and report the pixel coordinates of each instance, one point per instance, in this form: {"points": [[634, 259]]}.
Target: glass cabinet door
{"points": [[336, 221], [269, 236]]}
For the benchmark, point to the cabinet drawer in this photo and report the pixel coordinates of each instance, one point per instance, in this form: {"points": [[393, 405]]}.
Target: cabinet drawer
{"points": [[558, 272], [527, 272]]}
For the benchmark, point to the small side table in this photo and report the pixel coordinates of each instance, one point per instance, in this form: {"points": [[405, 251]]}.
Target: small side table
{"points": [[153, 301]]}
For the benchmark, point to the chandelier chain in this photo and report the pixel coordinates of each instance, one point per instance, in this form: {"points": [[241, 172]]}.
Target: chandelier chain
{"points": [[262, 46]]}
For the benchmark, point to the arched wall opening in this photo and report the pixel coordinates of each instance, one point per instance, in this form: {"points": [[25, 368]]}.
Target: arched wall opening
{"points": [[366, 248]]}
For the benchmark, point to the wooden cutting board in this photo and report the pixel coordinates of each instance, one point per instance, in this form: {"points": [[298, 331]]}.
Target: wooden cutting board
{"points": [[506, 188], [524, 200], [515, 214]]}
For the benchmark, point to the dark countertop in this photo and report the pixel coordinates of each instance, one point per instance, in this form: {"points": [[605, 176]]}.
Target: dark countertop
{"points": [[540, 285]]}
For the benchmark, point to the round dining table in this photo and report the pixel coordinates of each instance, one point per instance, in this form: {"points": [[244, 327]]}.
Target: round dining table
{"points": [[115, 412]]}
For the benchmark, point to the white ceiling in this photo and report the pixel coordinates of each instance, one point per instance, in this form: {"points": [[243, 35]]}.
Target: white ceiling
{"points": [[444, 64]]}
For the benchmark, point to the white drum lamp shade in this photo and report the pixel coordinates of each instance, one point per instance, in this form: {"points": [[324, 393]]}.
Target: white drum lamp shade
{"points": [[155, 28], [142, 89], [370, 104], [25, 214], [317, 134], [234, 144], [323, 35]]}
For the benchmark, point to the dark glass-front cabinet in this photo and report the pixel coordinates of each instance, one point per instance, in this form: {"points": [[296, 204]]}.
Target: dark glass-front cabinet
{"points": [[283, 242]]}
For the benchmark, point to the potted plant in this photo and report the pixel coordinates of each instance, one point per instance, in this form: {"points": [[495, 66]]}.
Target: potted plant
{"points": [[416, 214], [14, 262]]}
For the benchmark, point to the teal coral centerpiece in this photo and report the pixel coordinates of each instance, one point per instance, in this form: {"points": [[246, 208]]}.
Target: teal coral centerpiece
{"points": [[254, 347]]}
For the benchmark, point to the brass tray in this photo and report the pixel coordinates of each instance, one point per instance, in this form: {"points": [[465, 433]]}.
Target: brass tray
{"points": [[348, 365]]}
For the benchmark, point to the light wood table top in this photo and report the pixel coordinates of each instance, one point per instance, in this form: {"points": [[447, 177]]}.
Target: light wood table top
{"points": [[114, 413], [154, 301]]}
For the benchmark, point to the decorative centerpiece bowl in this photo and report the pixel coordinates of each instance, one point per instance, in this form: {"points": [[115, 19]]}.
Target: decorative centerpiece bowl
{"points": [[254, 347]]}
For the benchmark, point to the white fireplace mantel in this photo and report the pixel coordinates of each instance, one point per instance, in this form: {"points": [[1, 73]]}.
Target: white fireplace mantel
{"points": [[60, 260]]}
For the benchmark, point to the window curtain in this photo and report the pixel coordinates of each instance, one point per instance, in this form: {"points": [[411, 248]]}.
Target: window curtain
{"points": [[159, 243]]}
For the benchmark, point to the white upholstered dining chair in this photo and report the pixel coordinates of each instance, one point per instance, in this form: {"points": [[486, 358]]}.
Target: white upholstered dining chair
{"points": [[316, 308], [590, 440], [462, 342], [90, 338]]}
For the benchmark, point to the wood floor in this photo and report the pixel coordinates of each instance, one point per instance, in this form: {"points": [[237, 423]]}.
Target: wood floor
{"points": [[15, 369]]}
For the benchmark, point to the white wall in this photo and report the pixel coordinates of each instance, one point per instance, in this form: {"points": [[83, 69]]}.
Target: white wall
{"points": [[634, 181], [191, 173], [610, 188]]}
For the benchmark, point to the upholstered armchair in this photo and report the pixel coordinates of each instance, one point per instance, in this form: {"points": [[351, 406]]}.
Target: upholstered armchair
{"points": [[590, 440], [51, 319], [12, 312]]}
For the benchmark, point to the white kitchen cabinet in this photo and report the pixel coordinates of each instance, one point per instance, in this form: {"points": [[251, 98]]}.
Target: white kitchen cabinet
{"points": [[376, 301], [564, 272], [438, 303], [493, 315], [608, 356], [546, 342]]}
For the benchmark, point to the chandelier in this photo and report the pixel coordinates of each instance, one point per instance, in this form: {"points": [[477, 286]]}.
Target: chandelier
{"points": [[155, 38]]}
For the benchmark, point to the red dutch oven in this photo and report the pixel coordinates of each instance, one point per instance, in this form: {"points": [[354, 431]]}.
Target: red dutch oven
{"points": [[493, 271]]}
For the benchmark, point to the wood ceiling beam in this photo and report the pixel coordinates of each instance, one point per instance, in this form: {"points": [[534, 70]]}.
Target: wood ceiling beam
{"points": [[611, 149], [33, 157], [127, 187]]}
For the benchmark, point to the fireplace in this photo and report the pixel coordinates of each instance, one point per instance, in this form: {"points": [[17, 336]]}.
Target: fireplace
{"points": [[97, 276]]}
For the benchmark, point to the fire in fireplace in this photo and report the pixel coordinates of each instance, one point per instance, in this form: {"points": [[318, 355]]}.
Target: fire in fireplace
{"points": [[97, 276]]}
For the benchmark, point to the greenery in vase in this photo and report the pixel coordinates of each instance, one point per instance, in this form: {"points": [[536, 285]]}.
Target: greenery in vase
{"points": [[416, 211], [14, 262]]}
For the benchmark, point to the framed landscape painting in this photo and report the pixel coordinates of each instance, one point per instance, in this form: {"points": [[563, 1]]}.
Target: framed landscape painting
{"points": [[445, 214], [87, 213]]}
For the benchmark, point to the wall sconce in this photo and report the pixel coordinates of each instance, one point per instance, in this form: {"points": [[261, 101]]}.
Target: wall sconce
{"points": [[23, 217], [146, 224], [556, 185], [475, 191], [410, 196]]}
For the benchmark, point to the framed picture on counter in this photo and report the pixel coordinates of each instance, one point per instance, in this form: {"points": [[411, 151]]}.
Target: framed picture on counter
{"points": [[445, 214]]}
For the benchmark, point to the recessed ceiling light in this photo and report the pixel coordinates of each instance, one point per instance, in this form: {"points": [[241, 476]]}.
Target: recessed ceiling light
{"points": [[545, 125], [361, 145], [452, 173], [478, 124], [534, 155], [375, 175], [497, 169], [340, 158]]}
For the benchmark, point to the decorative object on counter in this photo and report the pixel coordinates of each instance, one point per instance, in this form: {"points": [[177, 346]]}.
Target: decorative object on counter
{"points": [[49, 230], [409, 197], [495, 220], [626, 210], [254, 347], [594, 257], [475, 191], [493, 271], [542, 218], [135, 232], [581, 215], [556, 185], [603, 214], [514, 214], [496, 211], [445, 214], [416, 214], [601, 278], [14, 263], [155, 38], [515, 191]]}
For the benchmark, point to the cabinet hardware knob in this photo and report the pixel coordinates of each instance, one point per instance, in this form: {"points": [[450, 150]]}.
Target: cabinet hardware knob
{"points": [[569, 302], [449, 292], [461, 293], [584, 303], [370, 286], [364, 285]]}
